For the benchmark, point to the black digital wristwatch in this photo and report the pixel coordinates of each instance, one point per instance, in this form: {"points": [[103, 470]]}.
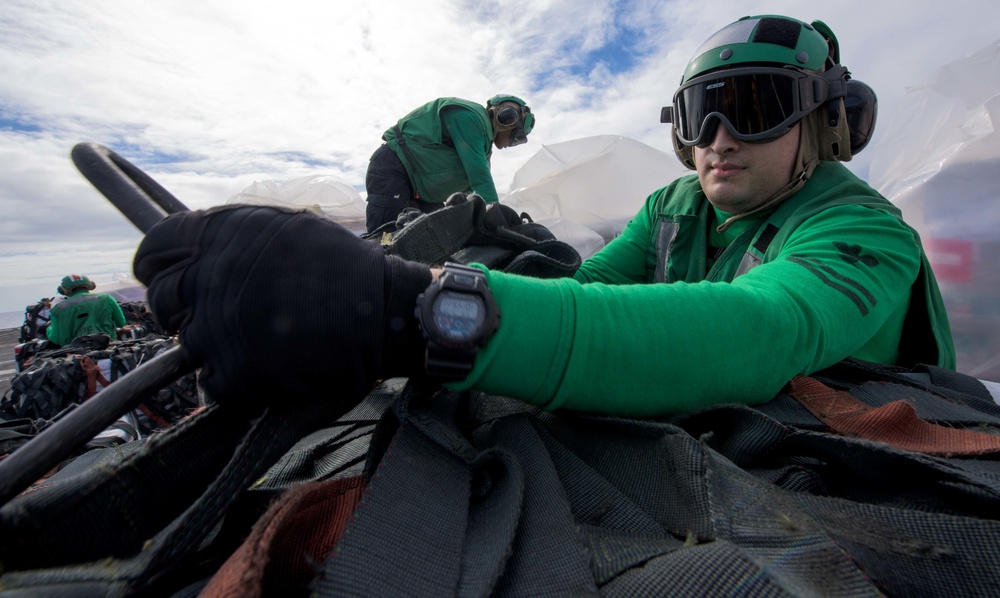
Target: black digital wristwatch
{"points": [[457, 315]]}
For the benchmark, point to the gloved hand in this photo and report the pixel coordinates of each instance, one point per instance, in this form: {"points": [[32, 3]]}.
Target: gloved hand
{"points": [[278, 304]]}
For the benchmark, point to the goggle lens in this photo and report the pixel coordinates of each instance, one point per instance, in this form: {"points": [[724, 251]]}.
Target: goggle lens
{"points": [[508, 116], [758, 106]]}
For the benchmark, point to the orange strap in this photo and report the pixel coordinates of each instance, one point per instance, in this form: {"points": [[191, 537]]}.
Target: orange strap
{"points": [[93, 373], [895, 424], [153, 417]]}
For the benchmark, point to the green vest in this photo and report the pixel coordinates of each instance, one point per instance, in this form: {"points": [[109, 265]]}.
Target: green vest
{"points": [[680, 249], [434, 166]]}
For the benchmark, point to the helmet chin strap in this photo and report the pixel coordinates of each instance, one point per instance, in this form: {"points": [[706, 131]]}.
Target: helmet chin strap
{"points": [[806, 162]]}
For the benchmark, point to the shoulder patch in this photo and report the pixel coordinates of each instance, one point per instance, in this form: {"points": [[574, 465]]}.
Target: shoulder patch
{"points": [[852, 254]]}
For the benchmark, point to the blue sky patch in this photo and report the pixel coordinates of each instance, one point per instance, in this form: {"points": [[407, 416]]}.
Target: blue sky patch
{"points": [[617, 57], [14, 123], [304, 158]]}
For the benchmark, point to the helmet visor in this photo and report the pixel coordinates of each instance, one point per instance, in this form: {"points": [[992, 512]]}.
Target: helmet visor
{"points": [[757, 105]]}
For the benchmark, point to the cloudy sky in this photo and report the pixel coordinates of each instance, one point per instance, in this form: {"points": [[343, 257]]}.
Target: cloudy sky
{"points": [[209, 96]]}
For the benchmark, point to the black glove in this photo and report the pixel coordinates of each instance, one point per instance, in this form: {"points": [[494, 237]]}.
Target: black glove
{"points": [[277, 304]]}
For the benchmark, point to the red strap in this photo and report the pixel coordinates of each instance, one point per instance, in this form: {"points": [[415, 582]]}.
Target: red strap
{"points": [[896, 423], [296, 533]]}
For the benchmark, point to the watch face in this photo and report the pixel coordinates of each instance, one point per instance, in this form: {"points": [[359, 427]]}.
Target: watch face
{"points": [[458, 316]]}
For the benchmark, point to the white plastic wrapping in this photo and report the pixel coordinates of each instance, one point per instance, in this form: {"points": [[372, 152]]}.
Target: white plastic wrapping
{"points": [[123, 287], [326, 195], [939, 160], [596, 182]]}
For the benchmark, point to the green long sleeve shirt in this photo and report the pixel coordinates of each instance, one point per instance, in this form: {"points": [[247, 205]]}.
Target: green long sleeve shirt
{"points": [[466, 133], [613, 340]]}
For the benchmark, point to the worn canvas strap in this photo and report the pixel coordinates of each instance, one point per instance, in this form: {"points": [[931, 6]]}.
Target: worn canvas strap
{"points": [[288, 541], [93, 375], [896, 423]]}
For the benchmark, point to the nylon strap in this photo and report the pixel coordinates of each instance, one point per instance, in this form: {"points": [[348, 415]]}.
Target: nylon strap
{"points": [[93, 375], [298, 530], [406, 150], [153, 417], [895, 423]]}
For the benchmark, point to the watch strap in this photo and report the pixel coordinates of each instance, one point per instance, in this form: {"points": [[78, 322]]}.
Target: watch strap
{"points": [[448, 364]]}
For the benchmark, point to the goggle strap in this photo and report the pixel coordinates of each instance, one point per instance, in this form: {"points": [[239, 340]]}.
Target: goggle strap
{"points": [[836, 79]]}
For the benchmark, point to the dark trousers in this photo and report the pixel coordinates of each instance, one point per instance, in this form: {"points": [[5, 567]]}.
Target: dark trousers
{"points": [[389, 188]]}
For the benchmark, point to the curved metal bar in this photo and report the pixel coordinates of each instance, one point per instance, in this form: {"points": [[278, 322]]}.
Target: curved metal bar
{"points": [[136, 195]]}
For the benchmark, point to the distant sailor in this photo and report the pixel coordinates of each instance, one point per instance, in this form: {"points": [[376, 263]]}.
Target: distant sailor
{"points": [[440, 148], [82, 312]]}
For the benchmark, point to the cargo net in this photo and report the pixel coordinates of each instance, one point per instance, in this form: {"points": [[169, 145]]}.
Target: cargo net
{"points": [[59, 379]]}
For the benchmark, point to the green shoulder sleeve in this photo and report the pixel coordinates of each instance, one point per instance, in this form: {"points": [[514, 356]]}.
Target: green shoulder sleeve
{"points": [[623, 259]]}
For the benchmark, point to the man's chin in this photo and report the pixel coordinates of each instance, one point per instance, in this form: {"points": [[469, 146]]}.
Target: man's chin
{"points": [[726, 196], [732, 203]]}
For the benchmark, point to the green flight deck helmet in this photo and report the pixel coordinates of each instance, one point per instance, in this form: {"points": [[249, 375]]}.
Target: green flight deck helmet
{"points": [[71, 282], [762, 75]]}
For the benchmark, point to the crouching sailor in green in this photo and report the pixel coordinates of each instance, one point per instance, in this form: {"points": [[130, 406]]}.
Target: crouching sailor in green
{"points": [[82, 312], [440, 148], [772, 260]]}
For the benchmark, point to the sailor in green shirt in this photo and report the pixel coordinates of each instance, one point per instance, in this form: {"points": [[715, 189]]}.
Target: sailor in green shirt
{"points": [[771, 260], [440, 148], [82, 312]]}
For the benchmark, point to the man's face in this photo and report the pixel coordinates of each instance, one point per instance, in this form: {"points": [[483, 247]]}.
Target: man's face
{"points": [[501, 139], [738, 176]]}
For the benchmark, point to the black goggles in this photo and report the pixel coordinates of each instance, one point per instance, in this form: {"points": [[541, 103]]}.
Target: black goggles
{"points": [[519, 134], [756, 104]]}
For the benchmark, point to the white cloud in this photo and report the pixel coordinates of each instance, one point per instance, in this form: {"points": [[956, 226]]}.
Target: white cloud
{"points": [[209, 96]]}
